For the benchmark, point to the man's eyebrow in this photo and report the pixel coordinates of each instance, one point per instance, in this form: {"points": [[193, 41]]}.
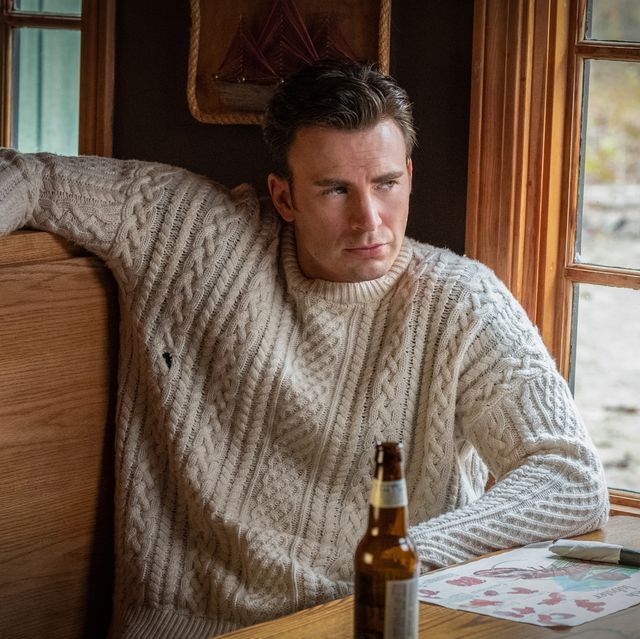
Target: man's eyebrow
{"points": [[379, 179], [330, 182], [386, 177]]}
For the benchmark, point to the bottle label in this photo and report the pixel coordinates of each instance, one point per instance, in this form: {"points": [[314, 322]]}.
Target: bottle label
{"points": [[388, 494], [401, 609]]}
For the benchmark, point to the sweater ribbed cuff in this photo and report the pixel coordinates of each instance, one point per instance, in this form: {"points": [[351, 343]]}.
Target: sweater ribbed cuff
{"points": [[153, 623]]}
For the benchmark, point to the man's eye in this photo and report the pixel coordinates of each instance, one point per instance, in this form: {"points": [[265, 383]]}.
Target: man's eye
{"points": [[389, 184], [335, 190]]}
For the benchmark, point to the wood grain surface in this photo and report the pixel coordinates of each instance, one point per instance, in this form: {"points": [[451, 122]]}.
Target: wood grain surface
{"points": [[58, 344]]}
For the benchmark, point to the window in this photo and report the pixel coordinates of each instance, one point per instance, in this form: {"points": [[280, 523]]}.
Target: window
{"points": [[57, 75], [554, 197]]}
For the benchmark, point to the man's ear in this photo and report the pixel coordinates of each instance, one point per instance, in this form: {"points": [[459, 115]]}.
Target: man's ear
{"points": [[280, 190], [410, 172]]}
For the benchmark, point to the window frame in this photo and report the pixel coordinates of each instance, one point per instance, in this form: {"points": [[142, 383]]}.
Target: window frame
{"points": [[524, 144], [97, 61]]}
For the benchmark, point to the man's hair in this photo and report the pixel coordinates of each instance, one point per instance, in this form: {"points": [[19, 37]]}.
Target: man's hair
{"points": [[345, 96]]}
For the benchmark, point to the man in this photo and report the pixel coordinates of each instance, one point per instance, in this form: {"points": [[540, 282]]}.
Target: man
{"points": [[262, 356]]}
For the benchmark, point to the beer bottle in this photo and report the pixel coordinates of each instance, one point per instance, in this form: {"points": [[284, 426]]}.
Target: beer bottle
{"points": [[386, 560]]}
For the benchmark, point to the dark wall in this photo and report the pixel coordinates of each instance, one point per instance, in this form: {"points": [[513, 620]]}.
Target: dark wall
{"points": [[430, 56]]}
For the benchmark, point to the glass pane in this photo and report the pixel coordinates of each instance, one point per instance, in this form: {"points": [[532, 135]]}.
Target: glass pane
{"points": [[607, 377], [46, 90], [66, 7], [609, 216], [617, 20]]}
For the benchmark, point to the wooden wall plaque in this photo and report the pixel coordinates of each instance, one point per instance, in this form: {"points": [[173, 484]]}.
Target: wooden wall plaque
{"points": [[240, 49]]}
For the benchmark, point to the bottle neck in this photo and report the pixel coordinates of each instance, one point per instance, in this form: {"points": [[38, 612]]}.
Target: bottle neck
{"points": [[388, 501], [391, 522]]}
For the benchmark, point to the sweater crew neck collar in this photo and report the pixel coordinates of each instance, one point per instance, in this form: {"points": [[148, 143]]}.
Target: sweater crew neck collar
{"points": [[339, 292]]}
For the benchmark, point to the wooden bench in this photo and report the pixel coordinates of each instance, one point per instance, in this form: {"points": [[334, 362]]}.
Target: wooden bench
{"points": [[58, 356]]}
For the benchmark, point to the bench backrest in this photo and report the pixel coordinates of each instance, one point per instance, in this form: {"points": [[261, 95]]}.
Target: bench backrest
{"points": [[58, 348]]}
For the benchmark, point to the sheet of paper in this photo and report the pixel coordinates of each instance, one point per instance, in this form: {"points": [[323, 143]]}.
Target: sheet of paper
{"points": [[533, 585]]}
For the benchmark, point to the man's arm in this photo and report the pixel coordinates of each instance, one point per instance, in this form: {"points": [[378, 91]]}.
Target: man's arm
{"points": [[517, 411], [107, 206]]}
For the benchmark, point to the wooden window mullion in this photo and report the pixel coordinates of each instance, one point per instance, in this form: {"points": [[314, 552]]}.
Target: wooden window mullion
{"points": [[5, 80], [603, 275], [608, 51], [41, 21], [97, 77]]}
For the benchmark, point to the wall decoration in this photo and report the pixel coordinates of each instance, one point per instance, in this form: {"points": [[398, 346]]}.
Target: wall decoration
{"points": [[241, 50]]}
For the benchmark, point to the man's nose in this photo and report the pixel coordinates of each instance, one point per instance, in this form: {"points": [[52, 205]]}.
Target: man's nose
{"points": [[364, 214]]}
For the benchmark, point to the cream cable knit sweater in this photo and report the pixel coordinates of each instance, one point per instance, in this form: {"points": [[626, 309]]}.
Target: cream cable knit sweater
{"points": [[251, 397]]}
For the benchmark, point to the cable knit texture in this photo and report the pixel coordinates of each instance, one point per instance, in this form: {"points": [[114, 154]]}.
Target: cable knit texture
{"points": [[250, 399]]}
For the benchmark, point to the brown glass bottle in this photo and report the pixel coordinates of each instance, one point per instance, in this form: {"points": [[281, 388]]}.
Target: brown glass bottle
{"points": [[386, 560]]}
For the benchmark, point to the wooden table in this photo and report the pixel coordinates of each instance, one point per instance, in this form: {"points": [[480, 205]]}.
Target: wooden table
{"points": [[333, 620]]}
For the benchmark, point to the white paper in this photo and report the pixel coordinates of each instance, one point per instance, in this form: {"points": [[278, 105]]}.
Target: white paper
{"points": [[533, 585]]}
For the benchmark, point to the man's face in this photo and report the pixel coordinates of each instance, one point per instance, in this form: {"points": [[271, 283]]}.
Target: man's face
{"points": [[348, 200]]}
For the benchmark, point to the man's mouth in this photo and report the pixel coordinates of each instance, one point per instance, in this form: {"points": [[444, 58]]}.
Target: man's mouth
{"points": [[368, 250]]}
